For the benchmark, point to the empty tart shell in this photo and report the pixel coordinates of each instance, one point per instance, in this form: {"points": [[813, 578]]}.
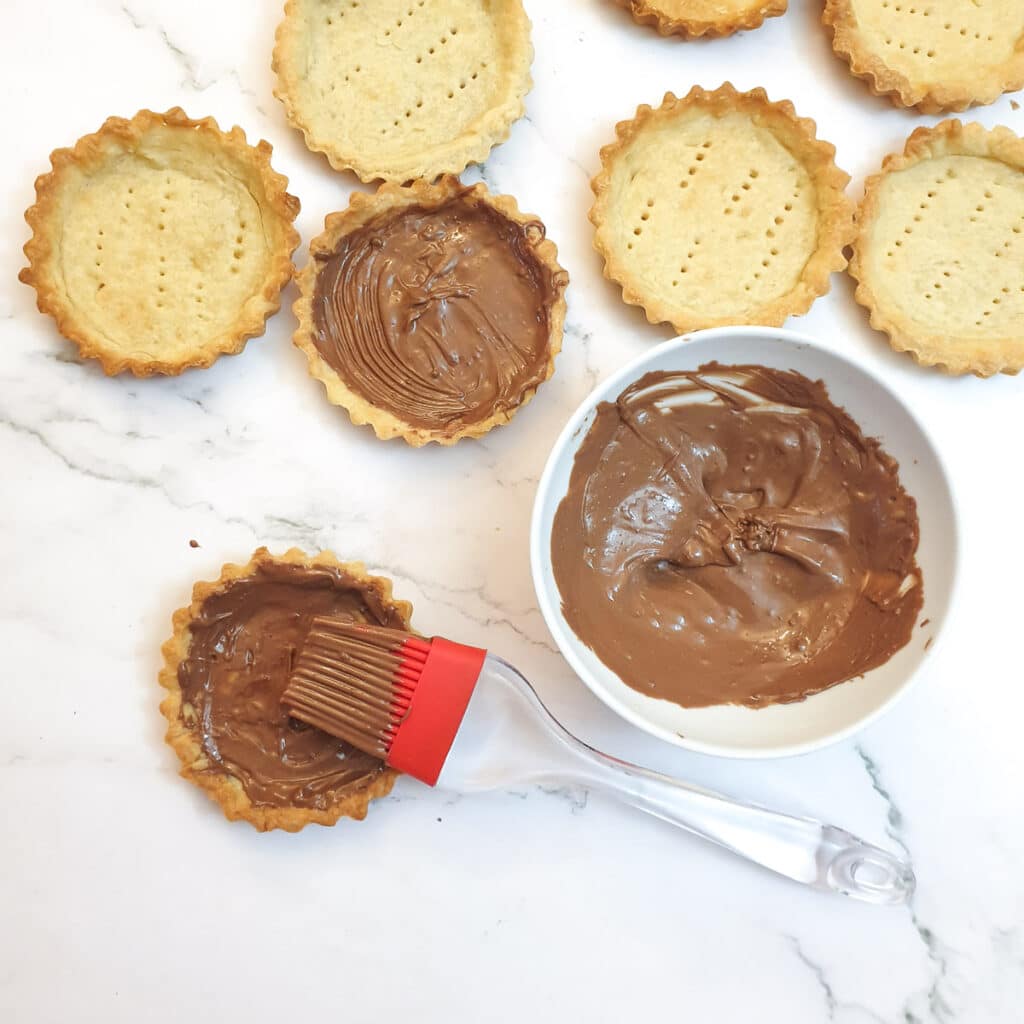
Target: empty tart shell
{"points": [[936, 58], [224, 685], [403, 89], [939, 252], [160, 243], [692, 19], [431, 312], [720, 208]]}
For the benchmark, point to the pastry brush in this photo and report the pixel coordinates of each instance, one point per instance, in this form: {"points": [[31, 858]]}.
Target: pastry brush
{"points": [[462, 719]]}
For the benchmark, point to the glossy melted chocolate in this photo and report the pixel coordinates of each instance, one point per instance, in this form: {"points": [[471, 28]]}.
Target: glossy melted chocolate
{"points": [[244, 643], [730, 536], [440, 316]]}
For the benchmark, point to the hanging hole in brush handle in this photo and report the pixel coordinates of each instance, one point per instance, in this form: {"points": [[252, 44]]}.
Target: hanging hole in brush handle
{"points": [[866, 872], [508, 737]]}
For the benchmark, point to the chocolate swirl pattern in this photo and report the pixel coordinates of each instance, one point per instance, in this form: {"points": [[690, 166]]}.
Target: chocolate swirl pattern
{"points": [[730, 536], [440, 315], [243, 645]]}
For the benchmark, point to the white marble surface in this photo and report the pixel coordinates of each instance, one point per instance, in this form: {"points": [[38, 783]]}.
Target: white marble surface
{"points": [[126, 897]]}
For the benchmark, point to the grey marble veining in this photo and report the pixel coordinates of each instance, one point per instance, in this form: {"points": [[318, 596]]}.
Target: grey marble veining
{"points": [[538, 904]]}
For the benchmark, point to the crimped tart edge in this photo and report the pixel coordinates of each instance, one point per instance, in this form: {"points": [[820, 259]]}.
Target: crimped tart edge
{"points": [[219, 785], [363, 208], [91, 150], [451, 157], [649, 12], [839, 18], [835, 208], [947, 138]]}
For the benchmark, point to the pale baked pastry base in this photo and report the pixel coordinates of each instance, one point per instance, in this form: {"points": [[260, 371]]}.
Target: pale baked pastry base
{"points": [[221, 786], [361, 210], [160, 243], [692, 19], [720, 208], [939, 252], [403, 89], [936, 57]]}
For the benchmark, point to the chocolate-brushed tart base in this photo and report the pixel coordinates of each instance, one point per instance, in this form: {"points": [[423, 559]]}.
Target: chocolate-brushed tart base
{"points": [[431, 312], [225, 668]]}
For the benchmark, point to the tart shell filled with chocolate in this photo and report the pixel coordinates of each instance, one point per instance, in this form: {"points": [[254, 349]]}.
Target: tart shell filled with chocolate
{"points": [[431, 312], [225, 668]]}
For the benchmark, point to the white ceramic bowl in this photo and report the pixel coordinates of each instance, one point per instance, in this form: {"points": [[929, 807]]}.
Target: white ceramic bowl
{"points": [[780, 730]]}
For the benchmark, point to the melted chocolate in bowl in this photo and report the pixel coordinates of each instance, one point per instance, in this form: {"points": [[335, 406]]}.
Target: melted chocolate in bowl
{"points": [[730, 536], [244, 642]]}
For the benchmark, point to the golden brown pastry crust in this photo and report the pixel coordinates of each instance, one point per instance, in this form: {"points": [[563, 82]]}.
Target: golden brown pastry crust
{"points": [[222, 787], [983, 356], [930, 98], [93, 153], [834, 218], [693, 26], [365, 207], [449, 154]]}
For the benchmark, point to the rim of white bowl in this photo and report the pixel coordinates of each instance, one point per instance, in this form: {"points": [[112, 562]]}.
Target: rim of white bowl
{"points": [[567, 641]]}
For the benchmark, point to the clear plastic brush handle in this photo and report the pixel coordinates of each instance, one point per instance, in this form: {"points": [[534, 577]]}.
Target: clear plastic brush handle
{"points": [[509, 737]]}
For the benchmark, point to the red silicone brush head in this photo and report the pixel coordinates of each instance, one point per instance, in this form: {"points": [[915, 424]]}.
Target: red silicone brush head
{"points": [[391, 694]]}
